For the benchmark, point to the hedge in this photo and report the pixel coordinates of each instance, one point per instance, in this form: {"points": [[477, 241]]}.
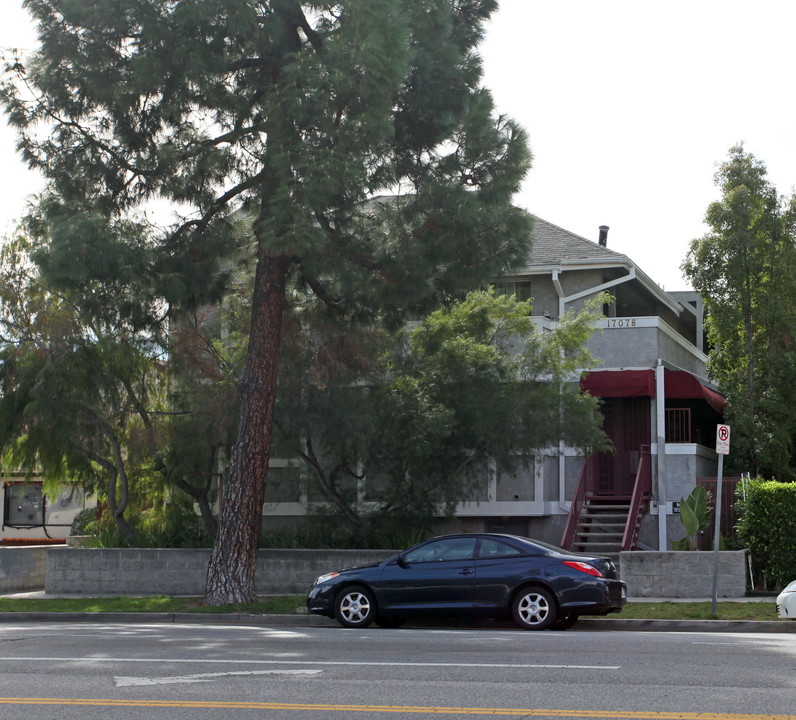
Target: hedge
{"points": [[767, 526]]}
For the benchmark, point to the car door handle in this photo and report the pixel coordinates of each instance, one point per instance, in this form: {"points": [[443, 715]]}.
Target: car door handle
{"points": [[466, 571]]}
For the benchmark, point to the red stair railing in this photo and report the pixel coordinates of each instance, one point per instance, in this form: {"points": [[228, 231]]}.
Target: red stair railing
{"points": [[642, 491], [585, 487]]}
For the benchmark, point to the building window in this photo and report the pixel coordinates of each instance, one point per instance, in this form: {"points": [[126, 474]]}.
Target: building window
{"points": [[284, 482], [521, 289], [24, 505]]}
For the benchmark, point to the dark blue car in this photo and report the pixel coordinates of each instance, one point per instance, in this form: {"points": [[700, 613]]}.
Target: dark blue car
{"points": [[479, 574]]}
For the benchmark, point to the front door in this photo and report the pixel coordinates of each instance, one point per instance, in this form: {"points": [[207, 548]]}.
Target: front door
{"points": [[627, 423]]}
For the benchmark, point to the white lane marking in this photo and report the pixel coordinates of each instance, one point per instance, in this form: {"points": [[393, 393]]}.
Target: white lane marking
{"points": [[125, 681], [327, 663], [728, 642]]}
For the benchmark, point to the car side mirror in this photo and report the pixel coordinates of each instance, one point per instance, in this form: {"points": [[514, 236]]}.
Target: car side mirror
{"points": [[402, 561]]}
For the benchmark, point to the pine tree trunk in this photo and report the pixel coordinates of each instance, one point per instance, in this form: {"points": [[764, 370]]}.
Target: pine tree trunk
{"points": [[231, 574]]}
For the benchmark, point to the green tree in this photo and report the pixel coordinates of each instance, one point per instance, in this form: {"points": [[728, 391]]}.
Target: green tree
{"points": [[71, 393], [477, 382], [290, 114], [745, 269], [85, 399]]}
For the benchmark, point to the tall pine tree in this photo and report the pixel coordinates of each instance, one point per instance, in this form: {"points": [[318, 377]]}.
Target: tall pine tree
{"points": [[286, 116]]}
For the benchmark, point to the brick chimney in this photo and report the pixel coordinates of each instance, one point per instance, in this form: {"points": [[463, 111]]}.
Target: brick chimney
{"points": [[603, 235]]}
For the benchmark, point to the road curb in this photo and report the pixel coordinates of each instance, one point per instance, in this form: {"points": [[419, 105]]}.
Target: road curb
{"points": [[728, 626], [585, 624]]}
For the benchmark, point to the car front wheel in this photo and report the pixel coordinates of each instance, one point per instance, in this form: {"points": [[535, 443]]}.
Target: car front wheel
{"points": [[534, 609], [355, 607]]}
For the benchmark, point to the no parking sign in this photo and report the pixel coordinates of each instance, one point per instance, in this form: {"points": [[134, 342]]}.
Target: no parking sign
{"points": [[723, 439]]}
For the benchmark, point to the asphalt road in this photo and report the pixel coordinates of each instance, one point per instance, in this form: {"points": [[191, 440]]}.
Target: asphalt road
{"points": [[109, 671]]}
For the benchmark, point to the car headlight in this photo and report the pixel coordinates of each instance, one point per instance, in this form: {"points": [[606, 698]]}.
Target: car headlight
{"points": [[325, 578]]}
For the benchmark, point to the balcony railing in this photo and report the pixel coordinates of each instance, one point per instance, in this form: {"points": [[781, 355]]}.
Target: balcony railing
{"points": [[678, 425]]}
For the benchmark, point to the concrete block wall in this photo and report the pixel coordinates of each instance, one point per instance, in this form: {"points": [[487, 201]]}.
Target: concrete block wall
{"points": [[294, 571], [92, 571], [22, 568], [134, 571], [675, 574]]}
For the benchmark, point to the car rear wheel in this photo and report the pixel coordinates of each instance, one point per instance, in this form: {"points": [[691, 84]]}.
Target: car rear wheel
{"points": [[534, 609], [355, 607]]}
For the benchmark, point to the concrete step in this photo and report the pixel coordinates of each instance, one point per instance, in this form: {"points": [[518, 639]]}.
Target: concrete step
{"points": [[597, 533], [597, 512]]}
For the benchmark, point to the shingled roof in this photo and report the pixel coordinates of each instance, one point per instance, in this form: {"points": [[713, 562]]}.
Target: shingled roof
{"points": [[551, 244]]}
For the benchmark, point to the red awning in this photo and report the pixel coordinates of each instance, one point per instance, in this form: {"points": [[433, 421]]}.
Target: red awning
{"points": [[682, 385], [679, 385], [619, 383]]}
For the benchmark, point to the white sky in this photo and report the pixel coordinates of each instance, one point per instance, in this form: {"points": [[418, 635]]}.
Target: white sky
{"points": [[629, 106]]}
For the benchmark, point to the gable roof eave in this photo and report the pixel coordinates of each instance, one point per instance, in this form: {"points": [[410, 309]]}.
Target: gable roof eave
{"points": [[615, 261]]}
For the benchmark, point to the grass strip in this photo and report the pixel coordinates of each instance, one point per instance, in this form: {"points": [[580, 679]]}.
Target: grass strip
{"points": [[271, 605], [726, 610], [296, 604]]}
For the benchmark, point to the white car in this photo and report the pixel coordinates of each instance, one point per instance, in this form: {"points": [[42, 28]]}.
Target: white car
{"points": [[786, 602]]}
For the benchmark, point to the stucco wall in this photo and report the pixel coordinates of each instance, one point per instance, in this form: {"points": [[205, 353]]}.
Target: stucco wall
{"points": [[625, 346], [684, 464], [640, 342], [544, 295], [680, 355]]}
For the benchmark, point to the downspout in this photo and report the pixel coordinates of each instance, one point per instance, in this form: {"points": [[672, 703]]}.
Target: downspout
{"points": [[562, 450], [660, 432], [560, 292]]}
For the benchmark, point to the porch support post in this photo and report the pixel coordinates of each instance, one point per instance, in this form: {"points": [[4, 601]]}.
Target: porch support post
{"points": [[660, 431]]}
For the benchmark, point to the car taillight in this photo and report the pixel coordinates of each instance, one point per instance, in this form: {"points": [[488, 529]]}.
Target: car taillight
{"points": [[583, 567]]}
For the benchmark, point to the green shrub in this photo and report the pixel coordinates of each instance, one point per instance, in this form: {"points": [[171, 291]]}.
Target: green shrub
{"points": [[695, 516], [84, 522], [329, 531], [173, 528], [767, 526]]}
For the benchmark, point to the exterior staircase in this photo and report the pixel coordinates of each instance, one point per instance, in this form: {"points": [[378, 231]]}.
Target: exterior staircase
{"points": [[601, 526], [604, 523]]}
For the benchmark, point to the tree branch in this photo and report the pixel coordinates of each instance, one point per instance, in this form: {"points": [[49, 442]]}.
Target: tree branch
{"points": [[328, 485]]}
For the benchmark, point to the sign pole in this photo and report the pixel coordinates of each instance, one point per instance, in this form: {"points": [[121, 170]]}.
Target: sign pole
{"points": [[717, 533], [722, 448]]}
